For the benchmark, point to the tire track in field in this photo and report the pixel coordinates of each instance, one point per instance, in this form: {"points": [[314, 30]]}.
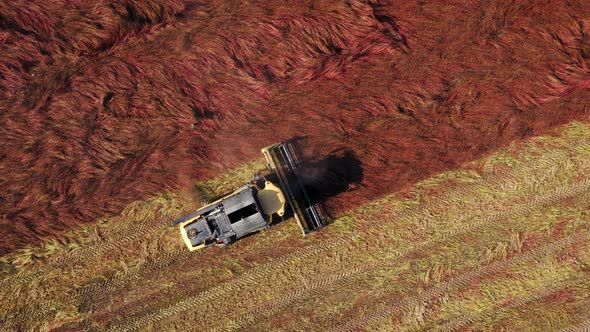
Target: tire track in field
{"points": [[83, 294], [581, 327], [269, 267], [535, 296], [229, 286], [259, 272], [315, 288], [82, 254], [89, 292], [86, 292], [461, 281]]}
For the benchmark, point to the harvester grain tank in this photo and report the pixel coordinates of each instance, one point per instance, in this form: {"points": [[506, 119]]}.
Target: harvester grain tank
{"points": [[252, 207]]}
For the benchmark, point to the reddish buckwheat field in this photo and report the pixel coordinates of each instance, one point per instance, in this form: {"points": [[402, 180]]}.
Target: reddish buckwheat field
{"points": [[449, 141]]}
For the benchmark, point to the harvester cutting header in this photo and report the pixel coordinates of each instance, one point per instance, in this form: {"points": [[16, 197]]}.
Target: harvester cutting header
{"points": [[252, 207]]}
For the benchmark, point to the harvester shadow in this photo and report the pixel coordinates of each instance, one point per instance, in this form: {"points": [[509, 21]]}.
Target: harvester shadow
{"points": [[338, 172]]}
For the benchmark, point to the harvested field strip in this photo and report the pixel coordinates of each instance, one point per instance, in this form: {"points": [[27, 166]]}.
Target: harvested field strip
{"points": [[458, 264], [553, 287], [499, 298], [96, 259], [342, 280], [82, 294], [88, 294], [493, 296], [231, 286], [461, 281], [252, 276], [173, 309], [209, 296], [565, 307]]}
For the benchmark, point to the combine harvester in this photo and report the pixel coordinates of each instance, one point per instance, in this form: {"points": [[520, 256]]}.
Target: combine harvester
{"points": [[251, 207]]}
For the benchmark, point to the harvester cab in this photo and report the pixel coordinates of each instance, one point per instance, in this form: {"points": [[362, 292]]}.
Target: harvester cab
{"points": [[252, 207]]}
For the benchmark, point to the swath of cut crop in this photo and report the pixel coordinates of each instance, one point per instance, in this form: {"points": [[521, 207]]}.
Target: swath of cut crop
{"points": [[463, 281], [535, 296], [340, 280]]}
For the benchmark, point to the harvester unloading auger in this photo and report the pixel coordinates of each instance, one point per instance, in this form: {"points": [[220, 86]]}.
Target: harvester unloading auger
{"points": [[252, 207]]}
